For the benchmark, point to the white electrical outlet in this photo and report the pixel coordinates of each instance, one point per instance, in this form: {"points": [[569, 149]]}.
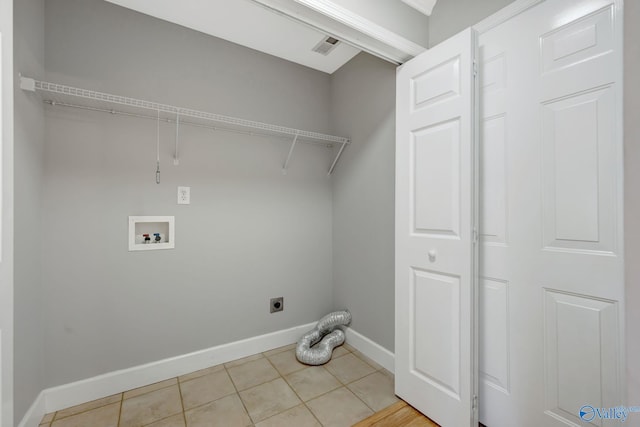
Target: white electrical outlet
{"points": [[184, 195]]}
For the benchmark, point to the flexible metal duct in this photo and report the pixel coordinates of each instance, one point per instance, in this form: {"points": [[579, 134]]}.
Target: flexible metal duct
{"points": [[316, 346]]}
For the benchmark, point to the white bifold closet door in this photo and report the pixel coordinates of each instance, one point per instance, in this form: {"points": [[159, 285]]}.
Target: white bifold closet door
{"points": [[435, 262], [550, 280], [551, 262]]}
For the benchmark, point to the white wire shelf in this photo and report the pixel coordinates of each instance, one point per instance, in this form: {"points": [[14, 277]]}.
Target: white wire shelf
{"points": [[68, 96]]}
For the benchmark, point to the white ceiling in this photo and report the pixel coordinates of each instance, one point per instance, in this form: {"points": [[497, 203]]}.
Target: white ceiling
{"points": [[249, 24], [290, 29]]}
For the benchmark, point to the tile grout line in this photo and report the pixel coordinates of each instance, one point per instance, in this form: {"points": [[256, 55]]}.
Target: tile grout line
{"points": [[211, 401], [264, 353], [120, 411], [365, 358], [368, 375], [256, 385], [312, 413], [288, 385], [237, 393], [56, 413], [168, 416], [320, 395], [343, 384], [184, 413], [284, 378]]}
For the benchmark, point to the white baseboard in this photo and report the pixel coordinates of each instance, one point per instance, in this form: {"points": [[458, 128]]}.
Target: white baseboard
{"points": [[64, 396], [36, 411], [371, 349]]}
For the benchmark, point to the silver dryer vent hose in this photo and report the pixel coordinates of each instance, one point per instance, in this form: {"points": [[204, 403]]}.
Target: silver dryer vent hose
{"points": [[326, 336]]}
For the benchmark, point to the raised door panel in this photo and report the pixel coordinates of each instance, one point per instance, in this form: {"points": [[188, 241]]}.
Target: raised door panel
{"points": [[493, 181], [582, 45], [579, 172], [438, 84], [581, 356], [494, 333], [436, 152], [436, 324]]}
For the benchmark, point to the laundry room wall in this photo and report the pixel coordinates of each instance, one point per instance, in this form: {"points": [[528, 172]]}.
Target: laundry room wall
{"points": [[363, 106], [250, 232]]}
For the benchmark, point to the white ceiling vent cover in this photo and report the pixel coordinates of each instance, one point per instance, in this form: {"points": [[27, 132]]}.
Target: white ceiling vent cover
{"points": [[326, 45]]}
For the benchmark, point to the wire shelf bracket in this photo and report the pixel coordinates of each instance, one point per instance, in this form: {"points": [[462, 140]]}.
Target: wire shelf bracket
{"points": [[286, 162], [68, 96]]}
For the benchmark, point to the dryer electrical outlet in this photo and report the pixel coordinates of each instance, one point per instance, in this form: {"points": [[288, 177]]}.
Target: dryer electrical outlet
{"points": [[184, 195], [276, 304]]}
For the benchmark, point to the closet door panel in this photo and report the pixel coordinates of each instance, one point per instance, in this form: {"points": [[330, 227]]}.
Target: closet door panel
{"points": [[436, 150], [580, 350], [579, 177], [494, 334], [435, 255], [436, 85], [495, 324], [493, 180]]}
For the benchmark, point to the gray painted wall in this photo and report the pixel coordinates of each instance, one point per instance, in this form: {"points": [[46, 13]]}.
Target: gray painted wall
{"points": [[250, 233], [28, 163], [363, 106], [449, 17], [6, 218], [632, 196]]}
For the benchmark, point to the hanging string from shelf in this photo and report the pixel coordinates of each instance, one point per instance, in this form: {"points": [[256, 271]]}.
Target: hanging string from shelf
{"points": [[176, 159], [158, 149]]}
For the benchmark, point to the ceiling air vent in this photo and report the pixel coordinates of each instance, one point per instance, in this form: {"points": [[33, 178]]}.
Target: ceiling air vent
{"points": [[326, 45]]}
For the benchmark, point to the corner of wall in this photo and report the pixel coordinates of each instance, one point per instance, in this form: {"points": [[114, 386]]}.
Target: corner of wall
{"points": [[28, 165]]}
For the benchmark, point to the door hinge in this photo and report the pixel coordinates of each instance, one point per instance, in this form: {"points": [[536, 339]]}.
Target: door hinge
{"points": [[475, 403], [475, 236], [475, 69]]}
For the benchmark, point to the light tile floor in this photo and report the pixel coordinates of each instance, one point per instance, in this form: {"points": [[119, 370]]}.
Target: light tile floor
{"points": [[270, 389]]}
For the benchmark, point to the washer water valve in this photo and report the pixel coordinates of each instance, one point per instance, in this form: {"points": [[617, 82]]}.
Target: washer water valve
{"points": [[147, 239], [158, 238]]}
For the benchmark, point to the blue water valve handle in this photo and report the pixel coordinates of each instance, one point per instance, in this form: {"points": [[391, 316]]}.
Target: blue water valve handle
{"points": [[158, 238]]}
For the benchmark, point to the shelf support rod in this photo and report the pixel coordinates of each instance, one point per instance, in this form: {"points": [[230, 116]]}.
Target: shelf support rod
{"points": [[286, 162], [335, 161], [176, 158]]}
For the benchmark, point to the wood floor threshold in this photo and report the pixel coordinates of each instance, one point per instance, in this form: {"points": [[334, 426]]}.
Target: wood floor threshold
{"points": [[399, 414]]}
